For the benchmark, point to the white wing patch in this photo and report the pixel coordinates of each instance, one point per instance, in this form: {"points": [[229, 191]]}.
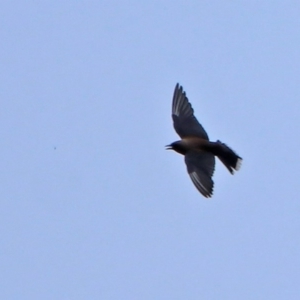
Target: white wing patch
{"points": [[197, 182]]}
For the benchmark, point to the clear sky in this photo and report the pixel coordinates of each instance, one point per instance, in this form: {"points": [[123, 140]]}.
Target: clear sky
{"points": [[92, 206]]}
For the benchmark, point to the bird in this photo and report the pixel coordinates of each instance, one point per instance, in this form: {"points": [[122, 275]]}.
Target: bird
{"points": [[199, 152]]}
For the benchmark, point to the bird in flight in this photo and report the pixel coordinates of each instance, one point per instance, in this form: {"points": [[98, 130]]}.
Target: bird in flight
{"points": [[199, 153]]}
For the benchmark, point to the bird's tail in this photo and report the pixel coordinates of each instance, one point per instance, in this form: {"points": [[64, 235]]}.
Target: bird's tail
{"points": [[228, 157]]}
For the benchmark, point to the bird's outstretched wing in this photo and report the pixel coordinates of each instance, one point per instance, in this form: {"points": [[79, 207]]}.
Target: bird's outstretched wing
{"points": [[185, 123], [201, 166]]}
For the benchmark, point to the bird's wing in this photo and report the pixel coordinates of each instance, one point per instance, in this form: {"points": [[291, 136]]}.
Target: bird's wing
{"points": [[185, 123], [201, 166]]}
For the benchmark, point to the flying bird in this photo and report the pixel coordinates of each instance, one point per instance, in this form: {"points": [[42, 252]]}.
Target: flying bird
{"points": [[199, 153]]}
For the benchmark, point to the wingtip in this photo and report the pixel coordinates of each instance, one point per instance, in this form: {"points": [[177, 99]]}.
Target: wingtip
{"points": [[178, 86]]}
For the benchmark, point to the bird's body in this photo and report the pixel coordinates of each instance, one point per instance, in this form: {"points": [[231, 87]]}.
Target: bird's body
{"points": [[199, 152]]}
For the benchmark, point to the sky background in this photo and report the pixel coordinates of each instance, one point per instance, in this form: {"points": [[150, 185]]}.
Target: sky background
{"points": [[92, 206]]}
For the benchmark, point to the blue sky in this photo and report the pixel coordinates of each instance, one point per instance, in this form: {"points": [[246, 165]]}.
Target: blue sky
{"points": [[92, 206]]}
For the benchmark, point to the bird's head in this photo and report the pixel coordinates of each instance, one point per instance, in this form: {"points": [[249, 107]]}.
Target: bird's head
{"points": [[177, 146]]}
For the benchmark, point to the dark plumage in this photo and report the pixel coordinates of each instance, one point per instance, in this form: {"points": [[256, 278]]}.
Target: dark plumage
{"points": [[199, 153]]}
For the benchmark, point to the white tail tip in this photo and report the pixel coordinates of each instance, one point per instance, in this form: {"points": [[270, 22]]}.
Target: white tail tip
{"points": [[238, 164]]}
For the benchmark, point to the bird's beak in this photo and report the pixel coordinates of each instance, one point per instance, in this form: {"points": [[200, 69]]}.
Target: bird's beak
{"points": [[169, 147]]}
